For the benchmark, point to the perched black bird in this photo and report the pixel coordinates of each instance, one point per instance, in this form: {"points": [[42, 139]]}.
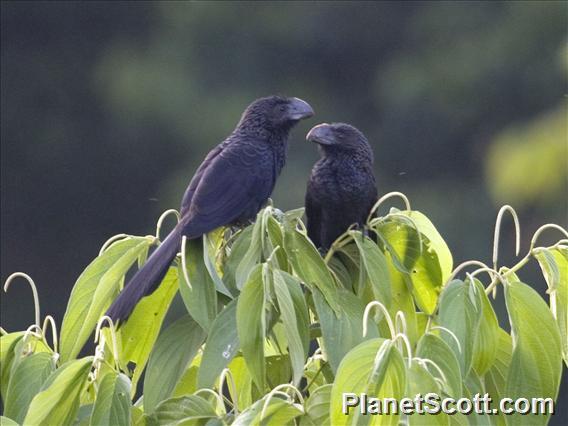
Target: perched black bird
{"points": [[341, 190], [230, 187]]}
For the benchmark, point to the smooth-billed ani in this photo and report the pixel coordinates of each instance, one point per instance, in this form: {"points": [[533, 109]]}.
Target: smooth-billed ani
{"points": [[341, 189], [229, 187]]}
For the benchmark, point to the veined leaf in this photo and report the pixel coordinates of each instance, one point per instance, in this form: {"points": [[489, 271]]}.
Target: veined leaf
{"points": [[112, 406], [341, 331], [191, 408], [173, 352], [536, 350], [293, 322], [420, 261], [438, 351], [253, 254], [487, 338], [251, 324], [309, 266], [421, 381], [94, 290], [201, 299], [376, 267], [243, 383], [318, 405], [212, 242], [221, 346], [8, 344], [25, 382], [6, 421], [554, 265], [238, 249], [460, 311], [278, 412], [496, 376], [58, 402], [138, 335]]}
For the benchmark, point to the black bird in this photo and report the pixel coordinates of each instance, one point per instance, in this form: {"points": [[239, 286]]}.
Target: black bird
{"points": [[230, 187], [341, 190]]}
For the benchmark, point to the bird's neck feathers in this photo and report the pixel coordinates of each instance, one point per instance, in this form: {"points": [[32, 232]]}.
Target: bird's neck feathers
{"points": [[261, 129], [334, 155]]}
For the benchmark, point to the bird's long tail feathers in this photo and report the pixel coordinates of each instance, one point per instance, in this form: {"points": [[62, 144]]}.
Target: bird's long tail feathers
{"points": [[147, 279]]}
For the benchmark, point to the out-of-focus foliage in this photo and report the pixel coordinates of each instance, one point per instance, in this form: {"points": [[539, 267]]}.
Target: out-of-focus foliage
{"points": [[528, 164]]}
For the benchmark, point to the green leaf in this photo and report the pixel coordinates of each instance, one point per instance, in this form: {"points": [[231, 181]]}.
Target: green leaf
{"points": [[487, 338], [496, 376], [173, 352], [212, 242], [221, 346], [341, 331], [318, 405], [186, 408], [421, 381], [25, 382], [253, 254], [243, 383], [251, 324], [435, 240], [438, 351], [8, 344], [376, 267], [201, 299], [293, 322], [536, 363], [278, 412], [554, 265], [112, 406], [138, 335], [309, 266], [418, 260], [94, 290], [58, 402], [238, 250], [460, 311], [363, 371], [5, 421]]}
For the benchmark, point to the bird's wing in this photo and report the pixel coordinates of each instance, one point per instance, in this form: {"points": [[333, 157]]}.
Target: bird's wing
{"points": [[188, 196], [236, 182], [313, 214]]}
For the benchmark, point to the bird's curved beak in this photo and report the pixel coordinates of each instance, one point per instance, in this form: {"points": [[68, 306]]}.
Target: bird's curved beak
{"points": [[321, 134], [299, 109]]}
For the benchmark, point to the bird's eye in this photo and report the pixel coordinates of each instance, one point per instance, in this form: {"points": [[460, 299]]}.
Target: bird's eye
{"points": [[282, 108]]}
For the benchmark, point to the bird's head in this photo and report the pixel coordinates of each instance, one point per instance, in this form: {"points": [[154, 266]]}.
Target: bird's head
{"points": [[340, 138], [276, 112]]}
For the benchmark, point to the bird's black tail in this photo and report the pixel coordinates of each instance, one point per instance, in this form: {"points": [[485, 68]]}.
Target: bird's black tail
{"points": [[147, 279]]}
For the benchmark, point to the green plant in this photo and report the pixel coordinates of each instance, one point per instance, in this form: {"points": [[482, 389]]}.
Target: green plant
{"points": [[391, 318]]}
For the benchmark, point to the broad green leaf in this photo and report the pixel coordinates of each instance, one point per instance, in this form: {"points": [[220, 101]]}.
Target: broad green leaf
{"points": [[460, 311], [58, 402], [253, 254], [309, 266], [187, 383], [296, 347], [487, 338], [201, 299], [496, 376], [221, 346], [341, 331], [278, 412], [212, 242], [438, 351], [173, 352], [276, 237], [251, 324], [25, 382], [536, 363], [238, 249], [187, 408], [243, 383], [554, 265], [421, 382], [138, 335], [112, 406], [420, 261], [363, 371], [6, 421], [318, 405], [8, 344], [376, 267], [94, 290], [437, 243]]}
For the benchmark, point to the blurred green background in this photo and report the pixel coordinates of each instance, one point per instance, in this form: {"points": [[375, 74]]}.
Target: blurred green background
{"points": [[107, 108]]}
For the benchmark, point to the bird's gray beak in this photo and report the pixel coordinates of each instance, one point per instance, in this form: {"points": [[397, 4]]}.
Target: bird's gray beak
{"points": [[321, 134], [299, 109]]}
